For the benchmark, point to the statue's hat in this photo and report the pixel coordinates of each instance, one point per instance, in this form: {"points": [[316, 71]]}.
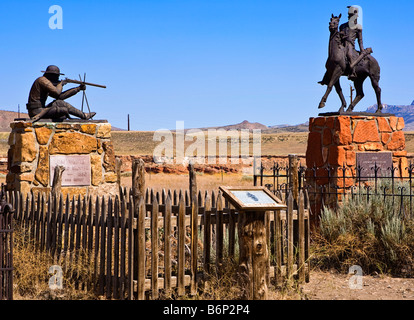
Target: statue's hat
{"points": [[53, 69]]}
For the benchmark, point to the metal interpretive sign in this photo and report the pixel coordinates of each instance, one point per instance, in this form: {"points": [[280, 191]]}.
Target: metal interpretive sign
{"points": [[252, 198], [77, 169], [368, 160]]}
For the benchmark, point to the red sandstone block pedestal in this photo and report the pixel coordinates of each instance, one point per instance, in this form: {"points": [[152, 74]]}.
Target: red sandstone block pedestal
{"points": [[334, 142]]}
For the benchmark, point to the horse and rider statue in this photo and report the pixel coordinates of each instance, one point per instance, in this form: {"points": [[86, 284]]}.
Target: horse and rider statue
{"points": [[345, 60]]}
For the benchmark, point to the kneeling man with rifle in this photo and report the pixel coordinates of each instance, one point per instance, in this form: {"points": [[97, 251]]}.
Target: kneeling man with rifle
{"points": [[50, 85]]}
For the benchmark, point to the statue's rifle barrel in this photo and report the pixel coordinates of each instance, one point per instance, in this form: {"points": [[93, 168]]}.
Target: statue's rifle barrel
{"points": [[86, 83]]}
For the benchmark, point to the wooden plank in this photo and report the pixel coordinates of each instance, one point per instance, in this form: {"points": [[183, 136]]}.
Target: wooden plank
{"points": [[232, 230], [207, 234], [96, 218], [66, 232], [301, 258], [47, 222], [109, 221], [123, 261], [278, 248], [131, 248], [290, 237], [141, 248], [219, 231], [154, 248], [181, 246], [116, 260], [167, 245], [60, 221], [194, 243], [102, 247]]}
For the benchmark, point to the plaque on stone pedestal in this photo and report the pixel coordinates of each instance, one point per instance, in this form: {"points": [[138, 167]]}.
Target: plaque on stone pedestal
{"points": [[368, 161], [77, 169]]}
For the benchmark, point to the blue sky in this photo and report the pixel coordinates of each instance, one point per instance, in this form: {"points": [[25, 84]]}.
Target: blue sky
{"points": [[206, 62]]}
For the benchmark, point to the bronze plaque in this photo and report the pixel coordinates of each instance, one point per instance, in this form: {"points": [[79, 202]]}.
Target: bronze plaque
{"points": [[368, 160], [77, 169]]}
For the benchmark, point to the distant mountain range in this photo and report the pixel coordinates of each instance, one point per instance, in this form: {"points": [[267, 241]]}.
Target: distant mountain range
{"points": [[405, 111]]}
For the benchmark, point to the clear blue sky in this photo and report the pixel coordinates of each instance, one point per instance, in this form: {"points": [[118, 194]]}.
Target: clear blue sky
{"points": [[207, 62]]}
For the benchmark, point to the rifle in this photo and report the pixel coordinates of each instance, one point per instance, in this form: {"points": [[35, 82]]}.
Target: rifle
{"points": [[83, 82]]}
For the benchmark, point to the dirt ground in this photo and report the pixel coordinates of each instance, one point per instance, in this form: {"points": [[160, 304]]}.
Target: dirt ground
{"points": [[335, 286]]}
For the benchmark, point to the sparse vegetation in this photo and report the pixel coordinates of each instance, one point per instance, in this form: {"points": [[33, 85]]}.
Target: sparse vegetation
{"points": [[376, 234]]}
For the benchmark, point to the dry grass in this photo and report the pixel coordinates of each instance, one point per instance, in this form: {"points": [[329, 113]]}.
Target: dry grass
{"points": [[205, 182], [32, 267]]}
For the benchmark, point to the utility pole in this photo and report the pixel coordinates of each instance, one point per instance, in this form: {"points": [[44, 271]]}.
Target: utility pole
{"points": [[128, 121]]}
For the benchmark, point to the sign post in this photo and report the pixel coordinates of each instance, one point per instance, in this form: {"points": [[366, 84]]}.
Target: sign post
{"points": [[252, 204]]}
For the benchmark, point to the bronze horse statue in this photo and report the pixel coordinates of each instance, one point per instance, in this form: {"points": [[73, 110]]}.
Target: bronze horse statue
{"points": [[337, 66]]}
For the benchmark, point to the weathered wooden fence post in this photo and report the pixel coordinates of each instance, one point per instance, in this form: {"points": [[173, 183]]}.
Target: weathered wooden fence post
{"points": [[293, 177], [252, 204], [194, 223], [138, 194]]}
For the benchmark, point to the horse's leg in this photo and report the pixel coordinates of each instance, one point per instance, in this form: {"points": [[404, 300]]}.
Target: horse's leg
{"points": [[336, 74], [359, 93], [377, 89], [341, 96]]}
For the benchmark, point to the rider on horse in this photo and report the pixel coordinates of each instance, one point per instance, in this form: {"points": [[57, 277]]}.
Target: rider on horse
{"points": [[350, 32]]}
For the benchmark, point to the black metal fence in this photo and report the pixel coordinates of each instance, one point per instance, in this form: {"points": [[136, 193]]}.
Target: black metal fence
{"points": [[330, 185]]}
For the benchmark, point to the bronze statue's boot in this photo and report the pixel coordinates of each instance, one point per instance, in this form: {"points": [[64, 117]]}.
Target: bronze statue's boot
{"points": [[352, 74], [89, 116], [77, 113]]}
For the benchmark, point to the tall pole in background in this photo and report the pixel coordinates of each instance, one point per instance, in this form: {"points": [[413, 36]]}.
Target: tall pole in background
{"points": [[128, 121]]}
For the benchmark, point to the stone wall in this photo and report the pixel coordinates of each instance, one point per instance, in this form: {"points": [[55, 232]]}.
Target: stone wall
{"points": [[32, 144], [334, 141]]}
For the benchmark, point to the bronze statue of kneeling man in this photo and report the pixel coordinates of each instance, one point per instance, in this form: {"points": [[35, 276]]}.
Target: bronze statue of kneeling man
{"points": [[58, 110]]}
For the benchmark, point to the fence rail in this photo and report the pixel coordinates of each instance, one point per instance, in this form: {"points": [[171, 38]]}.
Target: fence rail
{"points": [[329, 185], [164, 243]]}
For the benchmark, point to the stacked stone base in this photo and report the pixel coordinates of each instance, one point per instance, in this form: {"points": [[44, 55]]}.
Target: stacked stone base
{"points": [[32, 145], [334, 142]]}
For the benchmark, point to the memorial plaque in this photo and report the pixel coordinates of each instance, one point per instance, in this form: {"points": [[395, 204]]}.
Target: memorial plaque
{"points": [[77, 169], [252, 199], [368, 160]]}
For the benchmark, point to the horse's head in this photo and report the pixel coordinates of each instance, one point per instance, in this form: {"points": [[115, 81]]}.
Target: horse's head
{"points": [[334, 23]]}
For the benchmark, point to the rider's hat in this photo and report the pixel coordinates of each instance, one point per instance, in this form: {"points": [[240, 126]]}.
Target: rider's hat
{"points": [[53, 69]]}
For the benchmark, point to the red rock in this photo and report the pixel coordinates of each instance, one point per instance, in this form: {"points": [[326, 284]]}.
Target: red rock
{"points": [[342, 135], [336, 156], [320, 122], [350, 158], [385, 137], [314, 150], [397, 142], [366, 131], [400, 123], [327, 137], [383, 125], [393, 123]]}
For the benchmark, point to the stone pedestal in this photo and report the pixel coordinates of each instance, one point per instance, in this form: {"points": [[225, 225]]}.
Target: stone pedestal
{"points": [[84, 146], [335, 141]]}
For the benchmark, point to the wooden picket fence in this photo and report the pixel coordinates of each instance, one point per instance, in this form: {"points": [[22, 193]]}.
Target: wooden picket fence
{"points": [[164, 244]]}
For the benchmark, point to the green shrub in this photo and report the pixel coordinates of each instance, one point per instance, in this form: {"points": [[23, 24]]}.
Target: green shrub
{"points": [[375, 233]]}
